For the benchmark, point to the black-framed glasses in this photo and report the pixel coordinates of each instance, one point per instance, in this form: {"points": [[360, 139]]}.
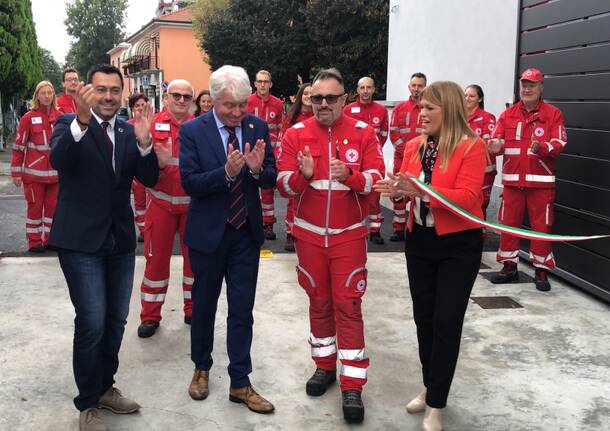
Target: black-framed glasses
{"points": [[263, 81], [178, 96], [330, 98]]}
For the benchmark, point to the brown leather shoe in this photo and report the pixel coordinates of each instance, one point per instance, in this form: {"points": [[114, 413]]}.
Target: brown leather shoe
{"points": [[198, 389], [90, 420], [250, 398]]}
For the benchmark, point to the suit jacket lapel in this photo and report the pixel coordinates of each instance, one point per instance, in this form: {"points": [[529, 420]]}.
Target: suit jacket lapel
{"points": [[98, 137], [212, 135], [119, 147]]}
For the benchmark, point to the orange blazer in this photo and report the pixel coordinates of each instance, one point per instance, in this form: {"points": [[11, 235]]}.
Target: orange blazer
{"points": [[460, 182]]}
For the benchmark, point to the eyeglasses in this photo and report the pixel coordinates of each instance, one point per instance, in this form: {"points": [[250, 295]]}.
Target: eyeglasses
{"points": [[330, 98], [178, 96], [262, 81], [71, 80]]}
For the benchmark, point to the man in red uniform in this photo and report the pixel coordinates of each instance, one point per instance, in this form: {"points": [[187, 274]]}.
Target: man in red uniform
{"points": [[529, 135], [137, 102], [329, 164], [271, 109], [166, 213], [66, 102], [405, 125], [375, 115]]}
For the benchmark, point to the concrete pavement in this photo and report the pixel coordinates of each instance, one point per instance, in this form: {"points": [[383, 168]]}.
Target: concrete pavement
{"points": [[545, 366]]}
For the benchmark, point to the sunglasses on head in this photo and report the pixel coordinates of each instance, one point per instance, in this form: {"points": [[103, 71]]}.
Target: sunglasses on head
{"points": [[330, 98], [178, 96]]}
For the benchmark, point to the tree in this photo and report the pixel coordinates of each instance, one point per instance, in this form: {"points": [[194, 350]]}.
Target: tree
{"points": [[96, 26], [20, 67], [358, 46], [51, 70], [293, 39]]}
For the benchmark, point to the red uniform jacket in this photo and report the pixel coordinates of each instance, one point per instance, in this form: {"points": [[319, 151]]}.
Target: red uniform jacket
{"points": [[168, 192], [521, 167], [374, 114], [460, 182], [405, 123], [329, 212], [270, 110], [66, 103], [31, 150], [483, 123]]}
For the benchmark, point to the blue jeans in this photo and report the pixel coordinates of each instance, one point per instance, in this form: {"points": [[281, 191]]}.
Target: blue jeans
{"points": [[100, 289]]}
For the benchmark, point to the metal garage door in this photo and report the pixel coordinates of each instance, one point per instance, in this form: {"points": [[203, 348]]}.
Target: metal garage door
{"points": [[569, 41]]}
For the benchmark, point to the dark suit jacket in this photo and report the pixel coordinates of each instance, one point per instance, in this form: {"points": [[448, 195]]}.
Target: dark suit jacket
{"points": [[92, 197], [202, 161]]}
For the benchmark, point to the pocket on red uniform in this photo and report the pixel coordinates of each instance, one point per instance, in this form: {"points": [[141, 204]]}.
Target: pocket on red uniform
{"points": [[356, 281], [305, 279]]}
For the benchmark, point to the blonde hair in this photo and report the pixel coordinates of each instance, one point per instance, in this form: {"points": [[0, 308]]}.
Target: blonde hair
{"points": [[454, 127], [35, 102]]}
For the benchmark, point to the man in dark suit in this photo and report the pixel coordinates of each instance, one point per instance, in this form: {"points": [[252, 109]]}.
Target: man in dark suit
{"points": [[97, 156], [225, 156]]}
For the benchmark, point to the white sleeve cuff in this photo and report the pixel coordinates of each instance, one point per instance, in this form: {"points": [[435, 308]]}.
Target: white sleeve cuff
{"points": [[77, 133], [144, 152]]}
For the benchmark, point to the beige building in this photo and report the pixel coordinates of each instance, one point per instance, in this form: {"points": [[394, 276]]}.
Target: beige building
{"points": [[163, 50]]}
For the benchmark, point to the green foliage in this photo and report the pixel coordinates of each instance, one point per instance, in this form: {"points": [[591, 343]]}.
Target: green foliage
{"points": [[20, 68], [51, 70], [96, 26], [293, 39]]}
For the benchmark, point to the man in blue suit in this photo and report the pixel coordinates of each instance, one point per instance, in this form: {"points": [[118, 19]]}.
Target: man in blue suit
{"points": [[97, 156], [225, 156]]}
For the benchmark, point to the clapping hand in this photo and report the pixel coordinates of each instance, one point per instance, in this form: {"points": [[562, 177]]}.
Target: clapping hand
{"points": [[495, 145], [254, 159], [305, 163], [85, 98], [235, 162], [142, 125], [163, 154], [535, 146], [338, 170]]}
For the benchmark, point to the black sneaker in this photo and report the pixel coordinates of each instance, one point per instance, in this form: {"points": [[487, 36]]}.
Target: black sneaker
{"points": [[147, 328], [398, 235], [188, 319], [37, 249], [269, 234], [319, 382], [353, 409], [508, 274], [140, 237], [289, 245], [376, 238], [541, 280]]}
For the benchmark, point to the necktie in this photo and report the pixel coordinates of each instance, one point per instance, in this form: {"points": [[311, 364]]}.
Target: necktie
{"points": [[428, 161], [107, 140], [237, 207]]}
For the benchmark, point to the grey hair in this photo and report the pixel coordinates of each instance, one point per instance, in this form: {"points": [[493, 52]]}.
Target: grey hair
{"points": [[181, 82], [232, 79]]}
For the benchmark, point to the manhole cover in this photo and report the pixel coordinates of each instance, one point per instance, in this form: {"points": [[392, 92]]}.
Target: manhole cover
{"points": [[491, 302]]}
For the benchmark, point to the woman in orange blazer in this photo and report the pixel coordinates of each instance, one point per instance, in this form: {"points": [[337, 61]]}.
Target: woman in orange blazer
{"points": [[443, 251]]}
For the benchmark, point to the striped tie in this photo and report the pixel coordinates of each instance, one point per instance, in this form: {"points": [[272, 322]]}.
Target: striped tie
{"points": [[237, 208]]}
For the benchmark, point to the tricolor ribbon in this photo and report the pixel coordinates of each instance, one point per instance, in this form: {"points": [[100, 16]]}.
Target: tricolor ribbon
{"points": [[514, 231]]}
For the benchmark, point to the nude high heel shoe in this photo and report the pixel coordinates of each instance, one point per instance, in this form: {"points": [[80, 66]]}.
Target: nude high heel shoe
{"points": [[417, 404], [433, 419]]}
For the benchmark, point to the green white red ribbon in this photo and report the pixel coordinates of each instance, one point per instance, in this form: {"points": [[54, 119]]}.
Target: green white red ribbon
{"points": [[514, 231]]}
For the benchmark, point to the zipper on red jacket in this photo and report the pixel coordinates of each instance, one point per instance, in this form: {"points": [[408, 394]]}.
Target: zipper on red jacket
{"points": [[330, 185]]}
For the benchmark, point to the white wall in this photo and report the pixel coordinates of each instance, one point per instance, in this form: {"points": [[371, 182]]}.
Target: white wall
{"points": [[467, 41]]}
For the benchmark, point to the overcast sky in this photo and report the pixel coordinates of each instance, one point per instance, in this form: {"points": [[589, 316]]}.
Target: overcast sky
{"points": [[49, 17]]}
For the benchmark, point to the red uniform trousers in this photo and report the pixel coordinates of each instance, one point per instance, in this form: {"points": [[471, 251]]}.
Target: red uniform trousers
{"points": [[139, 203], [267, 201], [41, 200], [539, 203], [375, 217], [334, 278], [289, 215], [159, 234], [400, 213]]}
